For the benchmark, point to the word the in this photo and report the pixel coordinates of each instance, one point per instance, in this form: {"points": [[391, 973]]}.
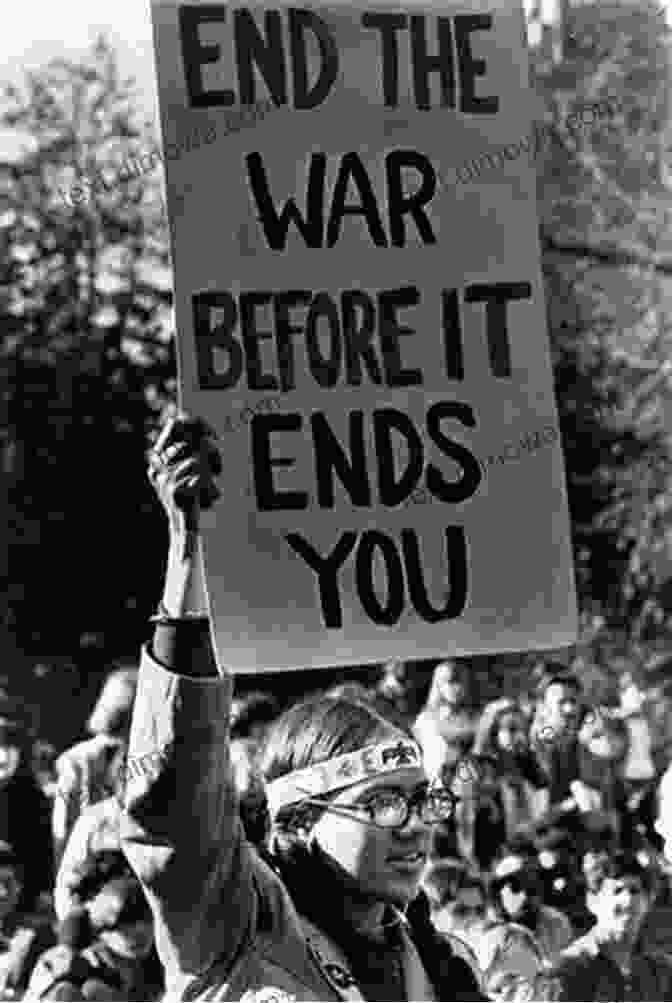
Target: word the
{"points": [[267, 53]]}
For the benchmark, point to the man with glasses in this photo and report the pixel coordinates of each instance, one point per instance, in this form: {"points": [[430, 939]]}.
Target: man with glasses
{"points": [[609, 962], [516, 898]]}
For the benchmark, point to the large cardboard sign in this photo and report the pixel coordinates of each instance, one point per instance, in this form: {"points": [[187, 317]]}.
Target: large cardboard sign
{"points": [[351, 192]]}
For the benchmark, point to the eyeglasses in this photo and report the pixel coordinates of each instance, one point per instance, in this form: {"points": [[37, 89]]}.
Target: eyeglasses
{"points": [[393, 809]]}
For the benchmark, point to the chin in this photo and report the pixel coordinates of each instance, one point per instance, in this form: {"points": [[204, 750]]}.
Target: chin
{"points": [[400, 893]]}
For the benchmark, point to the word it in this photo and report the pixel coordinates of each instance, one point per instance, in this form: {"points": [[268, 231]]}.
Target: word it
{"points": [[227, 329]]}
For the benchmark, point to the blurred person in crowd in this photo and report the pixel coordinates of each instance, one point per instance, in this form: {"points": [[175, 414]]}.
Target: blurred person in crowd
{"points": [[441, 884], [657, 706], [401, 690], [512, 965], [88, 772], [477, 827], [559, 853], [609, 962], [656, 933], [96, 832], [334, 904], [664, 820], [554, 731], [24, 809], [503, 735], [516, 896], [250, 717], [446, 726], [639, 767], [105, 945], [603, 748], [23, 936], [458, 901]]}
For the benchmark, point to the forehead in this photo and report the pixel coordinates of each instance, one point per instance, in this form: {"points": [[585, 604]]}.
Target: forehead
{"points": [[561, 691], [614, 886], [470, 894], [405, 780], [511, 719]]}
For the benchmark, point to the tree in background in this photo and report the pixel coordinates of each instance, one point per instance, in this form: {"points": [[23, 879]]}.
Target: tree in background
{"points": [[85, 288], [605, 208], [87, 363], [604, 204]]}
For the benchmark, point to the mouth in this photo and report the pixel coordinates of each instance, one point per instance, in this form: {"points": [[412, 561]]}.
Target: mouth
{"points": [[408, 863]]}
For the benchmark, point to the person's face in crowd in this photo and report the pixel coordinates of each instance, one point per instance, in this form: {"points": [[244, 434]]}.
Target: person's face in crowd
{"points": [[663, 824], [513, 975], [10, 757], [620, 906], [469, 905], [130, 940], [450, 682], [511, 736], [517, 897], [10, 891], [386, 864], [561, 706]]}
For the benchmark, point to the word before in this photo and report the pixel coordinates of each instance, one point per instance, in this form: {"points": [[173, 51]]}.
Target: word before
{"points": [[227, 330]]}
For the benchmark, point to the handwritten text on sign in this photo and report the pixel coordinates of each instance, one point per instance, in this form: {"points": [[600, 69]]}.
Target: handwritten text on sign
{"points": [[322, 259]]}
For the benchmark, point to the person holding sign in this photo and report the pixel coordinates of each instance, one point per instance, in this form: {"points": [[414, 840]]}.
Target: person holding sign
{"points": [[331, 909]]}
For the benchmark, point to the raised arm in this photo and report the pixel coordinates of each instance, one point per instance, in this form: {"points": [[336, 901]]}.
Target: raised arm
{"points": [[181, 831]]}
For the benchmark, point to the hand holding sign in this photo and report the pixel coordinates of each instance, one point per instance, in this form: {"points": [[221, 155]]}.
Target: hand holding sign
{"points": [[182, 466]]}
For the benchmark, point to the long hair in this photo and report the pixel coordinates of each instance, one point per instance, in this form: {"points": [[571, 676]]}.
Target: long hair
{"points": [[434, 699], [485, 742]]}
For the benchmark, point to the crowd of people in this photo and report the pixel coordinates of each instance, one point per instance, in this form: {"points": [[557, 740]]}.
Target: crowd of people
{"points": [[203, 845]]}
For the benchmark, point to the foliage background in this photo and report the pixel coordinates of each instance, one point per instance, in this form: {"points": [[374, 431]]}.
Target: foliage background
{"points": [[88, 366]]}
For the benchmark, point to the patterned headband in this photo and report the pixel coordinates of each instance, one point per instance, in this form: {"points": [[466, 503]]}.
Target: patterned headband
{"points": [[341, 771]]}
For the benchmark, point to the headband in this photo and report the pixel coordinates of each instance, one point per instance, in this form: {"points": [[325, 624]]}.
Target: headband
{"points": [[341, 771]]}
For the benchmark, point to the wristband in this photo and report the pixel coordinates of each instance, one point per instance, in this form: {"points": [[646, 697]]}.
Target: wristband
{"points": [[162, 616]]}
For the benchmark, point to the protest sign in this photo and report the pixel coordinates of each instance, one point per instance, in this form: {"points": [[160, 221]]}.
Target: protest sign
{"points": [[367, 336]]}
